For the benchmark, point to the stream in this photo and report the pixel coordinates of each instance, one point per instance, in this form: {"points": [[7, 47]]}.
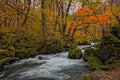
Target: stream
{"points": [[48, 67]]}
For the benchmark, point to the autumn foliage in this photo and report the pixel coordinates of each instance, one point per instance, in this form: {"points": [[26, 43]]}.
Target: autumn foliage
{"points": [[103, 18], [84, 11]]}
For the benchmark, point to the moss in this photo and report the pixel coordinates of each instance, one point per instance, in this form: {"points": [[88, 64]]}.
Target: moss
{"points": [[6, 60], [75, 54], [89, 52], [110, 61], [6, 53], [117, 61], [94, 62], [91, 77], [10, 54], [11, 48], [26, 52], [51, 47], [3, 51]]}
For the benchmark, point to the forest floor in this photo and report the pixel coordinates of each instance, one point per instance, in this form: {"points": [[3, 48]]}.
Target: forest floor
{"points": [[105, 75]]}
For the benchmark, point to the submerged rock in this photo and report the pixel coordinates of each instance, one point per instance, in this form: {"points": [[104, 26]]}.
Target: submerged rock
{"points": [[42, 58]]}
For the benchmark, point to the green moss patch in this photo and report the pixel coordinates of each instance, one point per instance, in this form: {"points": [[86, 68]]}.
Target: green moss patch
{"points": [[89, 52], [75, 54]]}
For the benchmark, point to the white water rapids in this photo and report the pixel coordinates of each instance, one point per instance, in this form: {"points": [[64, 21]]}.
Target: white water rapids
{"points": [[46, 67]]}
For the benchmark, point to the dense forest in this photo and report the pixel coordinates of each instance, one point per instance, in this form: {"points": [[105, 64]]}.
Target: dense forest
{"points": [[42, 27]]}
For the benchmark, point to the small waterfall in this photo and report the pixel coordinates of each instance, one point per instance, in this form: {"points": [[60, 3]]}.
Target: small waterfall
{"points": [[83, 47], [82, 50]]}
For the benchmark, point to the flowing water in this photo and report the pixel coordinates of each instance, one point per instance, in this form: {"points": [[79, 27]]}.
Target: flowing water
{"points": [[47, 67]]}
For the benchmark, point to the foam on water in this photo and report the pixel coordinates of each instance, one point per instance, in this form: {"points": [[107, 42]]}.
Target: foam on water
{"points": [[51, 67]]}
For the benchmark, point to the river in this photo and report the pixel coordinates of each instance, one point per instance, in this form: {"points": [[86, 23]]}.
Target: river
{"points": [[47, 67]]}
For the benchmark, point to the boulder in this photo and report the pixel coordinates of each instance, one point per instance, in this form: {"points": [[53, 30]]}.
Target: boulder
{"points": [[95, 63], [89, 52], [75, 54]]}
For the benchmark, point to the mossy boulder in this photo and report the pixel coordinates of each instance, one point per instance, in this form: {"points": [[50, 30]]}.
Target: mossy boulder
{"points": [[89, 52], [75, 54], [106, 51], [51, 47], [96, 64], [26, 52]]}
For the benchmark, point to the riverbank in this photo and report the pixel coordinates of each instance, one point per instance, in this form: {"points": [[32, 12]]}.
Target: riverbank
{"points": [[105, 75]]}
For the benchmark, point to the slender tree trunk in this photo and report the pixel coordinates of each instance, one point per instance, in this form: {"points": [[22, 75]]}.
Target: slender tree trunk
{"points": [[26, 14], [66, 15], [43, 19]]}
